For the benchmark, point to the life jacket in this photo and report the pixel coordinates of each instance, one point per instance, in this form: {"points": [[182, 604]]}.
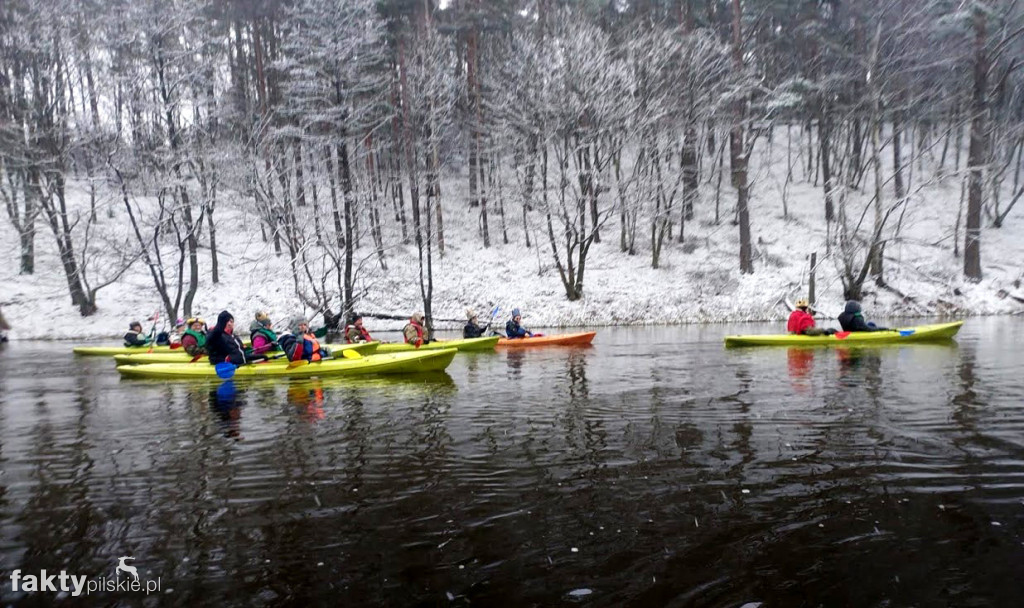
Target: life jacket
{"points": [[266, 333], [799, 321], [314, 346], [199, 336], [419, 333], [361, 334]]}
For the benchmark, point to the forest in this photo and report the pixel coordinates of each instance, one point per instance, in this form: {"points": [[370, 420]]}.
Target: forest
{"points": [[135, 134]]}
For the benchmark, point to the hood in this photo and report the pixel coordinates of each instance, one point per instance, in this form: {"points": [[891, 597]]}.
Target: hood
{"points": [[222, 320], [853, 306]]}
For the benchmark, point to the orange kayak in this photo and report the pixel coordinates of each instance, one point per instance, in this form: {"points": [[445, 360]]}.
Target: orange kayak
{"points": [[554, 340]]}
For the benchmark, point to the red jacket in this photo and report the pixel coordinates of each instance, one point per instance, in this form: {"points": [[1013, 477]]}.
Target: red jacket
{"points": [[799, 321]]}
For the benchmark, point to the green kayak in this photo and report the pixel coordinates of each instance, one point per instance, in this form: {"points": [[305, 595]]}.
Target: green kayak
{"points": [[920, 333], [394, 363]]}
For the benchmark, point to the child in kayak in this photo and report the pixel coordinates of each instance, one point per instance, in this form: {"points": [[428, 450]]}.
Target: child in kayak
{"points": [[134, 337], [223, 345], [852, 319], [299, 343], [472, 328], [514, 327], [263, 337], [194, 338], [355, 332], [801, 321], [413, 332]]}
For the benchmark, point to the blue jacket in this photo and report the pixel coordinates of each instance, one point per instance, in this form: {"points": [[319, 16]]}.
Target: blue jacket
{"points": [[515, 330]]}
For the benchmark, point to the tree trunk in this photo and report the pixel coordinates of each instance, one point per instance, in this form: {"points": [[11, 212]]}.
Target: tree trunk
{"points": [[737, 147], [976, 153]]}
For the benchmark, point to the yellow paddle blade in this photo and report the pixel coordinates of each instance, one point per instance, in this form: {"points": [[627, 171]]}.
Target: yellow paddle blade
{"points": [[351, 354], [298, 363]]}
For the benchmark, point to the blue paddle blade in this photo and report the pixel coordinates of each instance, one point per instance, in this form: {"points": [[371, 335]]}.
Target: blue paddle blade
{"points": [[906, 332], [225, 370]]}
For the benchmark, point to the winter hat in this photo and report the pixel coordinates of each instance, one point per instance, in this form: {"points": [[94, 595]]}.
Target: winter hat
{"points": [[470, 314], [179, 322], [853, 306], [515, 313], [296, 321], [135, 324], [417, 316], [223, 318], [352, 318]]}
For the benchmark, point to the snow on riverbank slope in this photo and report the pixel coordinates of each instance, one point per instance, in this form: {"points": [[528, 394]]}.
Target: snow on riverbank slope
{"points": [[698, 282]]}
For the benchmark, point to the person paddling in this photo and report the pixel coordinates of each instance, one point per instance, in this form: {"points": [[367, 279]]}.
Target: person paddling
{"points": [[473, 329], [801, 321], [355, 332], [514, 328], [134, 337], [852, 319], [194, 338], [263, 337], [413, 331], [299, 343], [223, 346]]}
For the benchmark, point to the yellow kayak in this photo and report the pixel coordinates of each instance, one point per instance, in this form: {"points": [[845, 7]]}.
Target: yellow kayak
{"points": [[394, 363], [485, 343], [920, 333], [177, 356]]}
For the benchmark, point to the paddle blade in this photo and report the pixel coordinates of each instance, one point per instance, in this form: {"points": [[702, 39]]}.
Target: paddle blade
{"points": [[298, 363], [351, 354], [906, 332], [225, 370], [840, 335]]}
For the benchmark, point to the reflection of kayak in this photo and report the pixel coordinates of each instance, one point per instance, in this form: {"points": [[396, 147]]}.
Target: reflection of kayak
{"points": [[486, 343], [394, 363], [553, 340], [921, 333], [177, 356], [106, 351]]}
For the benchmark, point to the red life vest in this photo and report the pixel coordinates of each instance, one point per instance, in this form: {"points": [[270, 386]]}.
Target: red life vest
{"points": [[362, 332], [419, 334], [799, 321]]}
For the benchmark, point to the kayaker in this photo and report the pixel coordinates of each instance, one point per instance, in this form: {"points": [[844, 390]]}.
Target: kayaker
{"points": [[472, 328], [223, 346], [178, 333], [413, 331], [194, 338], [514, 327], [852, 319], [300, 343], [134, 337], [801, 321], [263, 337], [355, 332]]}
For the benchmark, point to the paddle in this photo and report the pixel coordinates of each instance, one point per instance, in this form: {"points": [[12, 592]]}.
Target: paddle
{"points": [[152, 331], [346, 354], [227, 369]]}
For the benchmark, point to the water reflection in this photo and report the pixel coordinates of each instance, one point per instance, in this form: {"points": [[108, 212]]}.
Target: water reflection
{"points": [[655, 468], [227, 406]]}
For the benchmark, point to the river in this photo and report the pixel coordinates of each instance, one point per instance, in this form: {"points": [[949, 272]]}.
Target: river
{"points": [[654, 468]]}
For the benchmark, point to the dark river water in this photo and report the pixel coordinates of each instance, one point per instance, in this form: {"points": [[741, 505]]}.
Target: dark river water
{"points": [[655, 468]]}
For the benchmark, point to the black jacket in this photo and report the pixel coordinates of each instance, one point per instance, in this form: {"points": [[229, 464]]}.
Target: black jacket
{"points": [[851, 319], [472, 330], [222, 346], [135, 338]]}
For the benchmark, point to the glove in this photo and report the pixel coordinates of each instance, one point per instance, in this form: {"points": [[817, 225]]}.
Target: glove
{"points": [[326, 352]]}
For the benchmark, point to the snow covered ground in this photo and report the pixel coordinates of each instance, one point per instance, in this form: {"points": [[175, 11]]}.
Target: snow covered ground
{"points": [[699, 282]]}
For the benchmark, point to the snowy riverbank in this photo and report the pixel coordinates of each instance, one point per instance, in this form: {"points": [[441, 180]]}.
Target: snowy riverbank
{"points": [[698, 282]]}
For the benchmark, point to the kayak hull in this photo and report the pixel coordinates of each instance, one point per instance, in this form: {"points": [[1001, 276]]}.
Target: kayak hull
{"points": [[466, 344], [576, 339], [920, 333], [177, 356], [108, 351], [394, 363]]}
